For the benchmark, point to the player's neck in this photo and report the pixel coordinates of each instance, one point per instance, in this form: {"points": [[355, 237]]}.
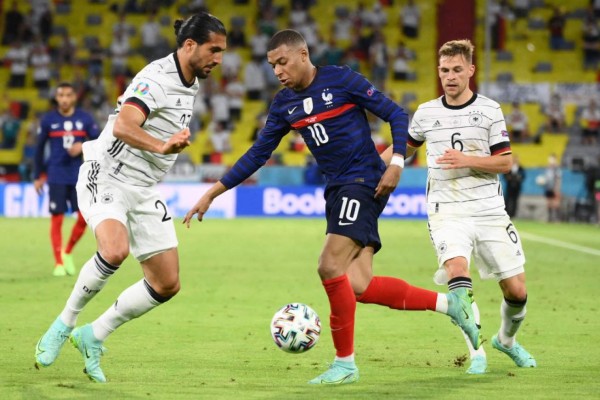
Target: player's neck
{"points": [[310, 77], [66, 113], [461, 99]]}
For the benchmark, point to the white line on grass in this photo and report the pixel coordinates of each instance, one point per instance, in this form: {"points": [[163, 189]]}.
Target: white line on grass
{"points": [[560, 243]]}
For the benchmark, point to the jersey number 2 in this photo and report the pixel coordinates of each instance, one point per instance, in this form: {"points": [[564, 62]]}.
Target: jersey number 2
{"points": [[164, 208]]}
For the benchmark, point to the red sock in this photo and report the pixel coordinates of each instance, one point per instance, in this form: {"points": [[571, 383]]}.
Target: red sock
{"points": [[76, 233], [343, 307], [56, 236], [398, 294]]}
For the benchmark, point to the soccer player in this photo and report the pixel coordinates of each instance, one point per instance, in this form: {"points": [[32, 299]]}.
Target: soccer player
{"points": [[327, 106], [65, 128], [467, 147], [117, 193]]}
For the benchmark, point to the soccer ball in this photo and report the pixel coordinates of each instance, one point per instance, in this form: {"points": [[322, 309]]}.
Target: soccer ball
{"points": [[295, 328]]}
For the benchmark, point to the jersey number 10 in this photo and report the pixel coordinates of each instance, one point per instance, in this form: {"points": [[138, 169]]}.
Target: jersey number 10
{"points": [[318, 134]]}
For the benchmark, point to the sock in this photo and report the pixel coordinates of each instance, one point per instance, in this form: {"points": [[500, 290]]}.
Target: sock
{"points": [[343, 307], [76, 233], [347, 359], [91, 280], [480, 351], [512, 314], [398, 294], [134, 302], [460, 282], [56, 221]]}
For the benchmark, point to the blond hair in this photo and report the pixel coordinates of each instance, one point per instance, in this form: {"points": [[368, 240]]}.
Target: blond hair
{"points": [[453, 48]]}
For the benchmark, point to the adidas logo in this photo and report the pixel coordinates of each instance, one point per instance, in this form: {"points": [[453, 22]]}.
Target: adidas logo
{"points": [[518, 252], [178, 104], [437, 124]]}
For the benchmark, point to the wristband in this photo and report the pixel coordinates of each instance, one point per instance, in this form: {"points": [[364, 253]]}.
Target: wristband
{"points": [[397, 160]]}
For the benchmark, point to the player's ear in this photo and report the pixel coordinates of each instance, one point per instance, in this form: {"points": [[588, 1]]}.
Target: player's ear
{"points": [[471, 70]]}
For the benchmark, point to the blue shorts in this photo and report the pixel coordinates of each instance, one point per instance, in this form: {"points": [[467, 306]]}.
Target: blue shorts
{"points": [[61, 198], [353, 211]]}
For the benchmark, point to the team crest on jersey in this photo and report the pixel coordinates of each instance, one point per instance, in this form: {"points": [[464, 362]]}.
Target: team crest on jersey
{"points": [[68, 125], [141, 88], [475, 119], [79, 125], [106, 198], [308, 105], [327, 97]]}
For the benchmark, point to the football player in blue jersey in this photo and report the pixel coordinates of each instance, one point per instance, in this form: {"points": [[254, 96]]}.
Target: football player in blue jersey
{"points": [[327, 106], [65, 129]]}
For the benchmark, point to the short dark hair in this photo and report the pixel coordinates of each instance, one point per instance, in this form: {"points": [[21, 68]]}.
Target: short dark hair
{"points": [[198, 27], [65, 85], [288, 37]]}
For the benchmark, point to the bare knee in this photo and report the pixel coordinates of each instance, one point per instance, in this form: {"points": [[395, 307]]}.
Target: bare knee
{"points": [[167, 288], [517, 294], [116, 254]]}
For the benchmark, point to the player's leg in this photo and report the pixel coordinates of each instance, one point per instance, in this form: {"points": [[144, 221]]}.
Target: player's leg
{"points": [[512, 314], [58, 206], [154, 245], [335, 258], [76, 232], [478, 357]]}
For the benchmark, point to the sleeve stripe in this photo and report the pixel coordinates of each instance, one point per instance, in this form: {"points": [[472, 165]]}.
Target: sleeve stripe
{"points": [[139, 104], [500, 148], [412, 142]]}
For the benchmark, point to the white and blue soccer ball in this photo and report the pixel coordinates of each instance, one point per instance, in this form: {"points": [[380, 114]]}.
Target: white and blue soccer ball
{"points": [[295, 328]]}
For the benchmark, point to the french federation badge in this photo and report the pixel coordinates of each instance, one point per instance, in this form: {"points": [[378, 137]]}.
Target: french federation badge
{"points": [[308, 105]]}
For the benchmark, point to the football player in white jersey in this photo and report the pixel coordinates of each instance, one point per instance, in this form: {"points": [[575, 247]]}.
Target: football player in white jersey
{"points": [[467, 147], [117, 195]]}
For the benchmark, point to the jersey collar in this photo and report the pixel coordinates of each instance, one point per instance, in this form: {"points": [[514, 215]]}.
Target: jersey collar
{"points": [[468, 103], [180, 73]]}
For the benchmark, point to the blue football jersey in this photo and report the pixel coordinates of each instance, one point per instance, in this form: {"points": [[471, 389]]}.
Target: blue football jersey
{"points": [[330, 115], [61, 132]]}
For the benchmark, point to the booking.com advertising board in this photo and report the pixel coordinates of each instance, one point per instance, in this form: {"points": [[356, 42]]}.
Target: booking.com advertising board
{"points": [[21, 200]]}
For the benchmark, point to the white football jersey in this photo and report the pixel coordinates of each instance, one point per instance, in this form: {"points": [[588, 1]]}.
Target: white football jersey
{"points": [[160, 92], [476, 128]]}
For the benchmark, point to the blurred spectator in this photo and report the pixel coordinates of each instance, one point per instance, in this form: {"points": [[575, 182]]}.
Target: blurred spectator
{"points": [[258, 45], [379, 58], [236, 92], [41, 63], [552, 185], [17, 57], [65, 51], [97, 91], [590, 123], [96, 57], [410, 19], [153, 44], [236, 37], [400, 64], [266, 23], [555, 114], [231, 64], [27, 162], [518, 124], [341, 29], [332, 54], [521, 8], [198, 112], [10, 125], [514, 181], [119, 51], [377, 17], [219, 106], [298, 15], [45, 23], [123, 26], [556, 26], [13, 24], [254, 78], [261, 120], [593, 187], [219, 137], [591, 42]]}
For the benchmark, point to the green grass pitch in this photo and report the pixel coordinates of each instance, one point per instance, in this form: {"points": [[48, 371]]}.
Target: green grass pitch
{"points": [[212, 341]]}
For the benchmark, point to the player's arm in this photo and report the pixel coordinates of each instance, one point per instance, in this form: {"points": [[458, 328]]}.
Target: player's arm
{"points": [[38, 161], [128, 128], [495, 164], [387, 154]]}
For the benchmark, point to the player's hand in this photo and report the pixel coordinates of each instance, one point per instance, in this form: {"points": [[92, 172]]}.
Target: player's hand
{"points": [[75, 149], [388, 181], [200, 208], [38, 185], [453, 159], [177, 142]]}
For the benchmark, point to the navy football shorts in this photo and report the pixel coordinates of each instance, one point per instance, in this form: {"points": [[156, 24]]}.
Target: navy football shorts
{"points": [[61, 198], [353, 211]]}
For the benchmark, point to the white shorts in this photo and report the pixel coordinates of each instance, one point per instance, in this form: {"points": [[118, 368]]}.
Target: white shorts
{"points": [[493, 242], [141, 209]]}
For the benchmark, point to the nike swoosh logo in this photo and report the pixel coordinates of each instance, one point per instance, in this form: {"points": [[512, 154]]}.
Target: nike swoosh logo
{"points": [[87, 355], [345, 223], [466, 314], [291, 110]]}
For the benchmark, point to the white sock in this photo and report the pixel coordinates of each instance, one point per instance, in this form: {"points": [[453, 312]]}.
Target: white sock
{"points": [[135, 301], [512, 315], [480, 351], [349, 358], [91, 280], [441, 304]]}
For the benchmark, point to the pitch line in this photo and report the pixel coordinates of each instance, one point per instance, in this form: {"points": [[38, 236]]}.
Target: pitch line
{"points": [[560, 243]]}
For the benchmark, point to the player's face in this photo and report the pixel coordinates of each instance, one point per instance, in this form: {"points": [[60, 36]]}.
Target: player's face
{"points": [[455, 73], [65, 98], [204, 57], [290, 66]]}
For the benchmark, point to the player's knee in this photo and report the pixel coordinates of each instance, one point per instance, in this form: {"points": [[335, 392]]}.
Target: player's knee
{"points": [[517, 295], [328, 269], [115, 255], [168, 287]]}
